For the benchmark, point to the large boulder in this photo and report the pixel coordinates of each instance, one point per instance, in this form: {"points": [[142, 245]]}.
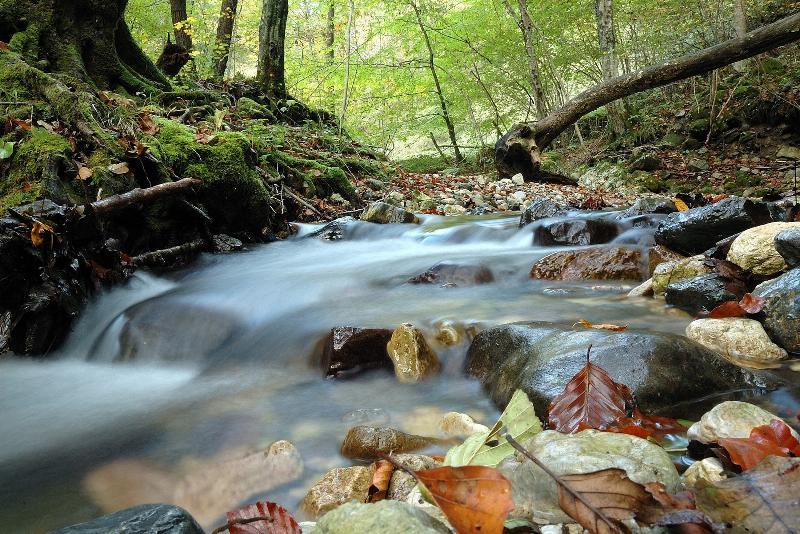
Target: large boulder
{"points": [[755, 249], [737, 338], [386, 517], [787, 243], [144, 519], [782, 309], [698, 229], [541, 208], [575, 232], [701, 293], [596, 263], [383, 213], [350, 349], [454, 275], [661, 369]]}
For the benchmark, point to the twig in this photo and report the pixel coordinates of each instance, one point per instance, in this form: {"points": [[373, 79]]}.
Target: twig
{"points": [[137, 196], [241, 521], [514, 443], [300, 200]]}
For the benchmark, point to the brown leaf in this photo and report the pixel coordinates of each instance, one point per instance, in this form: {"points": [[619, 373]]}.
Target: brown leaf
{"points": [[119, 168], [591, 399], [41, 234], [602, 326], [84, 173], [475, 499], [381, 477], [147, 125], [750, 304], [4, 47], [774, 439], [763, 499], [647, 426], [22, 124], [260, 518]]}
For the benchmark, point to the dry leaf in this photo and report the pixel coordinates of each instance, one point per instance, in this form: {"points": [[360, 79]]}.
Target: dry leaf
{"points": [[41, 233], [750, 304], [147, 125], [84, 173], [680, 204], [4, 47], [773, 439], [382, 476], [119, 168], [260, 518], [602, 326]]}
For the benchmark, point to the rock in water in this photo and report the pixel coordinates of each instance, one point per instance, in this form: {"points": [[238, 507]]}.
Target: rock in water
{"points": [[386, 517], [698, 229], [383, 213], [648, 205], [144, 519], [541, 208], [658, 255], [575, 232], [338, 486], [335, 230], [597, 263], [787, 243], [755, 250], [671, 272], [349, 350], [368, 443], [737, 338], [660, 369], [730, 419], [782, 309], [413, 358], [701, 293], [454, 275]]}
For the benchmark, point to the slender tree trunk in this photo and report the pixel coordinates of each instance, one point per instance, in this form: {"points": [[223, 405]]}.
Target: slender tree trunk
{"points": [[608, 58], [740, 25], [330, 32], [525, 24], [222, 46], [432, 66], [180, 21], [346, 94], [271, 43]]}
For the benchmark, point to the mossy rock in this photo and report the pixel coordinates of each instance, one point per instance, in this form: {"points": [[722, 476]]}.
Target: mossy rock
{"points": [[248, 107]]}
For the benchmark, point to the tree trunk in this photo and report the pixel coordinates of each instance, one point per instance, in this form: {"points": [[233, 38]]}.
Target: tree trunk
{"points": [[608, 58], [86, 39], [330, 32], [432, 66], [271, 43], [740, 25], [222, 46], [349, 51], [519, 150], [180, 23], [525, 24]]}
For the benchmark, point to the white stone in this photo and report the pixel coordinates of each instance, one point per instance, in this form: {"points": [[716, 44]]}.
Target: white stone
{"points": [[754, 250], [730, 419], [708, 470], [518, 179], [736, 338], [519, 195], [459, 425], [454, 209], [643, 290]]}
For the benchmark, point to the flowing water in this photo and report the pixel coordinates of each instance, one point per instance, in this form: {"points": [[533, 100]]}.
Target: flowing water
{"points": [[174, 372]]}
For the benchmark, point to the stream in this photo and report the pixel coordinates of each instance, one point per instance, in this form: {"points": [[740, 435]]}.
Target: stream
{"points": [[224, 356]]}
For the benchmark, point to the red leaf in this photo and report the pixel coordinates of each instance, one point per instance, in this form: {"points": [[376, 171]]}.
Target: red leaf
{"points": [[752, 304], [727, 309], [281, 521], [774, 439], [646, 426]]}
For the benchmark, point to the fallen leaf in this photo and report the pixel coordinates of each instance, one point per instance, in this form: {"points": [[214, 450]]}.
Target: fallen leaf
{"points": [[680, 205], [6, 150], [41, 233], [774, 439], [762, 499], [381, 477], [591, 399], [602, 326], [749, 304], [4, 47], [147, 125], [260, 518], [647, 426], [119, 168], [752, 304], [24, 125], [84, 173]]}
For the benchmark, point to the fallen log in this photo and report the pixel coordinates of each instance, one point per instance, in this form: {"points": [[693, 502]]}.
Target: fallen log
{"points": [[139, 196], [519, 150]]}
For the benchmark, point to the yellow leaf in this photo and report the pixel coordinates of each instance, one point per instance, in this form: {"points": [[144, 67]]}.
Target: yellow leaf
{"points": [[680, 204], [41, 233]]}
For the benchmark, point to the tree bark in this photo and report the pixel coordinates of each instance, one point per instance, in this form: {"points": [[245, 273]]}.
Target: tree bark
{"points": [[608, 58], [222, 45], [740, 25], [271, 43], [525, 24], [180, 23], [443, 103], [330, 32], [519, 150]]}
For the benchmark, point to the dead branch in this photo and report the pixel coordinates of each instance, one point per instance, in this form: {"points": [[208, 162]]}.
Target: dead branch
{"points": [[139, 196], [300, 200], [169, 256]]}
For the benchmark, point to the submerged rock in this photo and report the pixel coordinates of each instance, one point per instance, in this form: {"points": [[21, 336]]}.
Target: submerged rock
{"points": [[336, 487], [575, 232], [730, 419], [782, 310], [755, 250], [413, 358], [350, 349], [787, 243], [334, 230], [144, 519], [660, 369], [701, 293], [541, 208], [698, 229], [386, 517], [737, 338], [597, 263], [454, 275], [383, 213], [368, 443]]}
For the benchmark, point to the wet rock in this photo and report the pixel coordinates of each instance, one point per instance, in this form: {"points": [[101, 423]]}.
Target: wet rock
{"points": [[787, 243], [451, 210], [350, 349], [645, 162], [144, 519], [674, 271], [540, 358], [737, 338], [649, 205], [541, 208], [460, 425], [704, 472], [536, 493], [454, 275], [730, 419], [657, 255], [368, 443], [386, 517], [701, 293], [698, 229], [413, 358], [224, 243], [383, 213], [575, 232], [645, 289], [447, 333], [334, 230], [402, 484], [337, 487], [755, 249], [782, 309], [598, 263]]}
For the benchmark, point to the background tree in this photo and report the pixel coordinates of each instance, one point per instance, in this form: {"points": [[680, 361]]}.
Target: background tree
{"points": [[271, 47], [607, 40], [222, 45], [180, 21]]}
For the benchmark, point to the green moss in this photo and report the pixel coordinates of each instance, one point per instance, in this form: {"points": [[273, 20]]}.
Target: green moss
{"points": [[317, 177], [772, 66], [16, 197]]}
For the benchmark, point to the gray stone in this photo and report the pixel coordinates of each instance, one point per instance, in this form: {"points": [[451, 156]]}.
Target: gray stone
{"points": [[697, 165], [334, 230], [788, 152], [648, 205], [661, 369], [541, 208], [782, 309], [338, 486], [349, 350], [386, 517], [787, 243], [730, 419], [646, 162], [383, 213], [575, 232], [144, 519], [454, 275], [701, 293]]}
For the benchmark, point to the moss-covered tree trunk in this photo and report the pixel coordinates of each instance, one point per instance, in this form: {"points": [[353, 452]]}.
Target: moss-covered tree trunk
{"points": [[87, 40], [271, 43]]}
